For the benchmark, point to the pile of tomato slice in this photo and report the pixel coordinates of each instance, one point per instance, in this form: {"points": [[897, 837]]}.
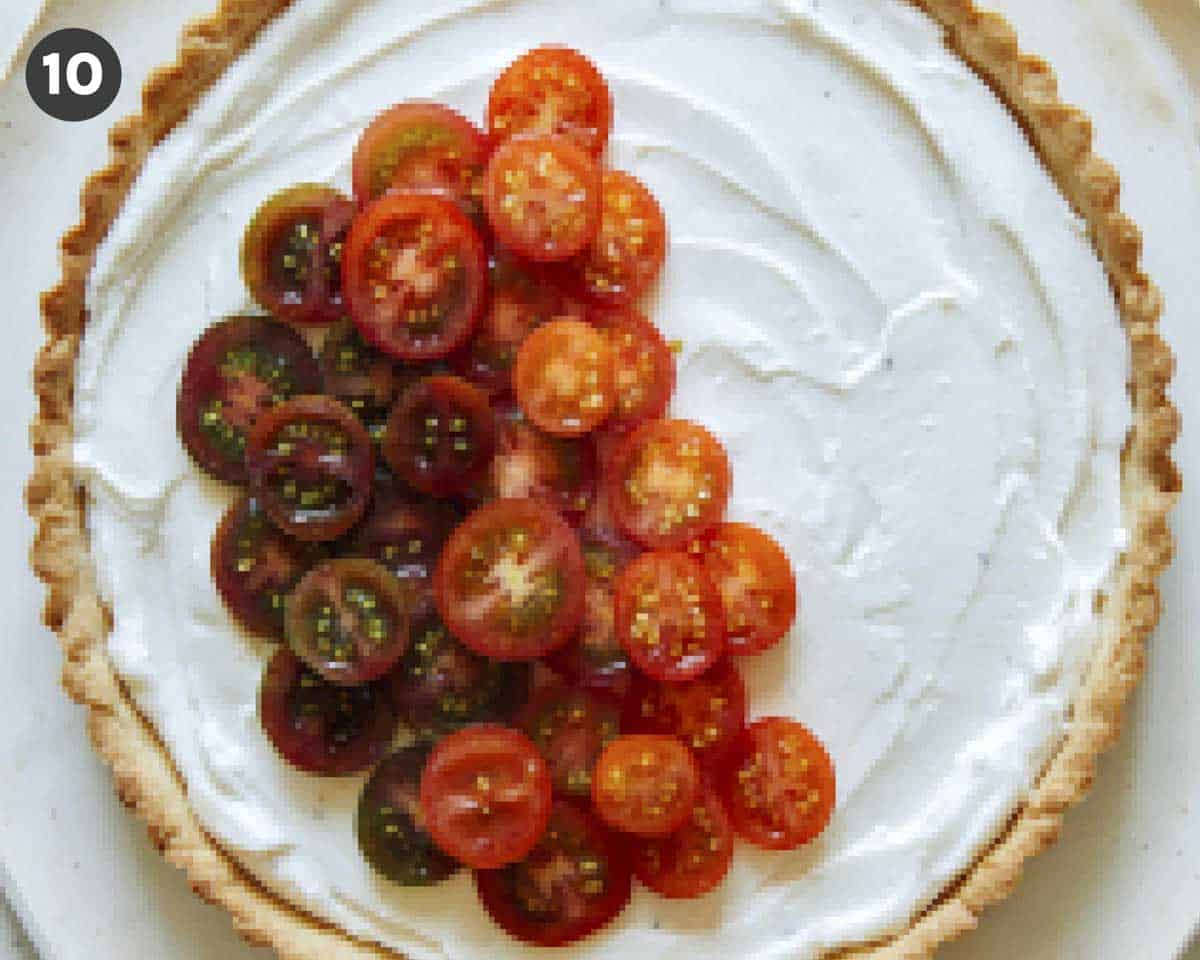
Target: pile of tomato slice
{"points": [[477, 533]]}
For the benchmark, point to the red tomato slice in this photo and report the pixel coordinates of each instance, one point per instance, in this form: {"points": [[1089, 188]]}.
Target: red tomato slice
{"points": [[557, 471], [570, 728], [542, 197], [571, 884], [754, 578], [485, 794], [645, 785], [779, 784], [626, 255], [707, 713], [422, 147], [510, 580], [694, 860], [552, 90], [668, 617], [668, 482], [414, 273], [643, 368], [564, 378]]}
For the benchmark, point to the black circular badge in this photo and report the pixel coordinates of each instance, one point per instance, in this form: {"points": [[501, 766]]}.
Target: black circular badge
{"points": [[73, 74]]}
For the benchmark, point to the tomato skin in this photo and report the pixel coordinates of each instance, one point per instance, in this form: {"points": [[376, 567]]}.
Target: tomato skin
{"points": [[564, 378], [643, 368], [560, 472], [626, 256], [485, 795], [570, 728], [645, 785], [695, 859], [779, 784]]}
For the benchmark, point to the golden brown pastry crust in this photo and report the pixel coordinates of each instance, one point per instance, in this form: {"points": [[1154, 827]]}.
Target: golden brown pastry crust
{"points": [[146, 779]]}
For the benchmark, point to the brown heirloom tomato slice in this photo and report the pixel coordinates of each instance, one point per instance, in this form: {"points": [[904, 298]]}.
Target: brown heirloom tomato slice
{"points": [[695, 858], [668, 482], [668, 616], [485, 794], [510, 580], [292, 253], [627, 253], [643, 368], [349, 620], [571, 884], [551, 90], [311, 465], [360, 376], [558, 471], [542, 197], [421, 146], [391, 828], [707, 713], [403, 534], [255, 566], [564, 377], [779, 784], [238, 369], [754, 578], [440, 436], [645, 785], [570, 728], [318, 726], [414, 275]]}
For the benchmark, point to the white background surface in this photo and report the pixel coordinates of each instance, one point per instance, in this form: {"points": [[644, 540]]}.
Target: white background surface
{"points": [[1125, 879]]}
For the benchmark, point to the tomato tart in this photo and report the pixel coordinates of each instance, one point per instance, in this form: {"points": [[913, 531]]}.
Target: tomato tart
{"points": [[494, 496]]}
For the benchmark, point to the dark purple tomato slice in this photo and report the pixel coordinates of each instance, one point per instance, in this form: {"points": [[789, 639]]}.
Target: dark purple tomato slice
{"points": [[404, 534], [318, 726], [571, 727], [237, 369], [557, 471], [361, 377]]}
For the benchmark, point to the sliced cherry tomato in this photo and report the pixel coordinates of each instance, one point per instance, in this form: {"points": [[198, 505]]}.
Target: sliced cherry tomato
{"points": [[510, 580], [421, 146], [626, 255], [415, 275], [780, 784], [570, 728], [441, 686], [557, 471], [292, 253], [311, 464], [349, 620], [321, 727], [707, 713], [485, 794], [754, 578], [542, 197], [667, 616], [571, 884], [643, 368], [550, 90], [238, 369], [440, 436], [668, 482], [361, 377], [391, 828], [255, 566], [403, 534], [564, 377], [693, 860], [645, 785]]}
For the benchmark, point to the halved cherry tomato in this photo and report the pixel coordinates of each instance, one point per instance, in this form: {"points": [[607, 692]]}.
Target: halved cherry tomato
{"points": [[551, 89], [510, 580], [707, 713], [292, 253], [542, 197], [318, 726], [564, 377], [573, 882], [361, 377], [626, 255], [255, 566], [779, 784], [557, 471], [668, 482], [570, 728], [414, 274], [421, 146], [236, 370], [645, 785], [485, 794], [754, 578], [667, 616], [311, 464], [349, 620], [403, 534], [391, 828], [693, 860], [643, 368]]}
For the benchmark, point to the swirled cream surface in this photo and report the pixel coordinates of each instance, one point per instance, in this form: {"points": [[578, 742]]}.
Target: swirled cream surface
{"points": [[889, 316]]}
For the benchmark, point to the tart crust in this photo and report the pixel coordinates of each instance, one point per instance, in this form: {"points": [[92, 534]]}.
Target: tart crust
{"points": [[146, 779]]}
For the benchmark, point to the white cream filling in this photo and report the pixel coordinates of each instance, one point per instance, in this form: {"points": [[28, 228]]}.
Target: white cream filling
{"points": [[889, 316]]}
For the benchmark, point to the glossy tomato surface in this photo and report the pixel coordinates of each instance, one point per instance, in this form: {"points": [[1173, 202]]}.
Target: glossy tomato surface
{"points": [[405, 534], [645, 785], [695, 858], [570, 727], [627, 254], [564, 377], [707, 713], [643, 368], [361, 377], [558, 471]]}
